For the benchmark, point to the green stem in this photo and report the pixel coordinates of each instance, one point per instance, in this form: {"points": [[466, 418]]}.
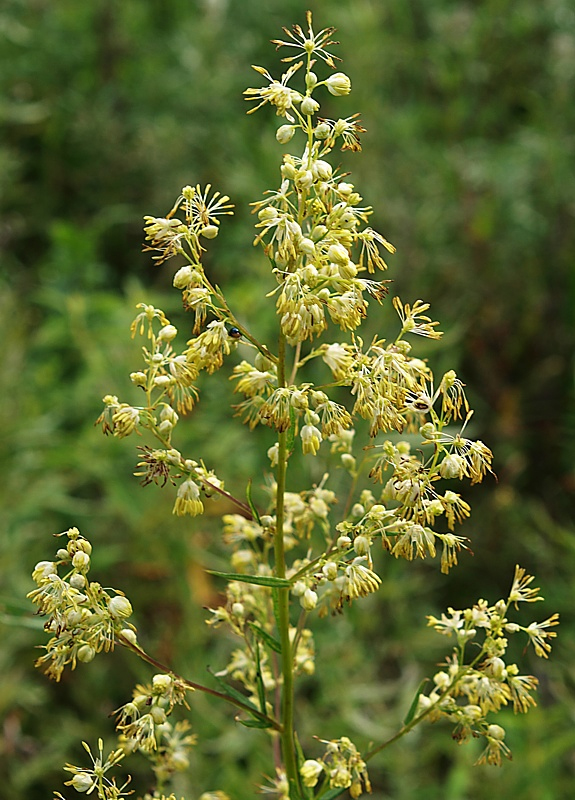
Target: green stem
{"points": [[287, 711]]}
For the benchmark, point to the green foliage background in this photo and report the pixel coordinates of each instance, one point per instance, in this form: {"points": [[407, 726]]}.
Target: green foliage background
{"points": [[106, 110]]}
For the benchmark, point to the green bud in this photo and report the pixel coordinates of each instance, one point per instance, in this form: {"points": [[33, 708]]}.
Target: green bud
{"points": [[81, 561], [119, 606], [82, 782], [158, 715], [309, 106], [310, 80], [308, 600], [321, 131], [129, 635], [285, 133], [210, 232], [86, 653], [167, 333], [338, 84], [161, 683]]}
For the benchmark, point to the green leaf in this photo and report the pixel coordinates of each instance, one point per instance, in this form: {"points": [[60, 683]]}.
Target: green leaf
{"points": [[258, 580], [260, 680], [253, 509], [413, 707], [231, 692], [266, 638], [254, 723], [332, 793]]}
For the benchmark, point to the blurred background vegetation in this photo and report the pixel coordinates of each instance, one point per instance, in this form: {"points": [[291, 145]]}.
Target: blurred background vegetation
{"points": [[106, 110]]}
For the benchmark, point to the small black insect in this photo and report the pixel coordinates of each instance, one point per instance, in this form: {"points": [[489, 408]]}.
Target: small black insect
{"points": [[235, 333]]}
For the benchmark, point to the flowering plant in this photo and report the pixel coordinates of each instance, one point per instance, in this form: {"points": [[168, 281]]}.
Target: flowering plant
{"points": [[296, 558]]}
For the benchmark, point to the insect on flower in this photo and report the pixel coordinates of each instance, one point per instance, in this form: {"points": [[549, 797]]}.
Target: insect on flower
{"points": [[235, 333]]}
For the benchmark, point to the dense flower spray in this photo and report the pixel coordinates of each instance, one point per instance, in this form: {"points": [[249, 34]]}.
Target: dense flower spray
{"points": [[309, 552]]}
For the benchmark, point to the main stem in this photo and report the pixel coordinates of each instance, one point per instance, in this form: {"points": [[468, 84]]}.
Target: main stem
{"points": [[287, 711]]}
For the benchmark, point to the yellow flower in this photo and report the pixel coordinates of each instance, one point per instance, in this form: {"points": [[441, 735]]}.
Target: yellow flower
{"points": [[188, 500], [311, 439], [277, 93]]}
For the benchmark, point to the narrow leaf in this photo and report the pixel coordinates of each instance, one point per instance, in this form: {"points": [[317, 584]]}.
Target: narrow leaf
{"points": [[329, 795], [260, 681], [253, 509], [231, 692], [413, 707], [254, 723], [258, 580], [266, 638]]}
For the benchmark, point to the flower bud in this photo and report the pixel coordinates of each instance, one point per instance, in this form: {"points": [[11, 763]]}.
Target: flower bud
{"points": [[361, 545], [129, 635], [357, 510], [429, 431], [452, 466], [158, 715], [310, 80], [210, 231], [86, 653], [167, 333], [119, 606], [338, 84], [329, 569], [322, 170], [267, 213], [309, 106], [306, 246], [288, 170], [348, 462], [310, 771], [343, 542], [161, 683], [285, 133], [303, 178], [308, 601], [78, 581], [82, 782], [81, 561], [238, 610], [43, 570], [321, 131], [183, 277], [318, 232], [496, 732], [338, 254]]}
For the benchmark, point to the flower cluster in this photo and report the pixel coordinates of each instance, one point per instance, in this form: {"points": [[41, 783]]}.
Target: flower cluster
{"points": [[83, 618], [144, 725], [342, 767], [88, 780], [465, 693]]}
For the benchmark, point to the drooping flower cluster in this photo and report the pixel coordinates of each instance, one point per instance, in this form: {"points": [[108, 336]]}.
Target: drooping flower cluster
{"points": [[465, 693], [342, 767], [144, 725], [83, 618]]}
